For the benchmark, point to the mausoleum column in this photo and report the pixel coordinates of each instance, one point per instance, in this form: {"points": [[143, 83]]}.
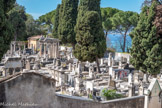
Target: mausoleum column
{"points": [[58, 55], [11, 47], [45, 49], [49, 50], [24, 49], [14, 71], [40, 50], [19, 50], [14, 47], [5, 72], [55, 51]]}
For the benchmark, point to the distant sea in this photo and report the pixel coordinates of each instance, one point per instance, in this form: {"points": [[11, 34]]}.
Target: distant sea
{"points": [[115, 40]]}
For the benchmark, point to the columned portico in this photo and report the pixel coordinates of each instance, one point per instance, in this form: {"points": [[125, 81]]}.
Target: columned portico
{"points": [[51, 47]]}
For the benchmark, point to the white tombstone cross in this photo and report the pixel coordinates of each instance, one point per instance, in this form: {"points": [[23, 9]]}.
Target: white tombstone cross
{"points": [[70, 67], [120, 65], [128, 60], [145, 78], [131, 90], [102, 61], [89, 85], [136, 78], [79, 68], [110, 60], [161, 77], [77, 85], [130, 78], [112, 72], [141, 89], [91, 70]]}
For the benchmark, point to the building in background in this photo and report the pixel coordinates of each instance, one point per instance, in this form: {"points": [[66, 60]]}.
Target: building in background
{"points": [[33, 43]]}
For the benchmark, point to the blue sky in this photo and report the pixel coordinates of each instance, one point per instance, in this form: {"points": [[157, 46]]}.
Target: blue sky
{"points": [[41, 7]]}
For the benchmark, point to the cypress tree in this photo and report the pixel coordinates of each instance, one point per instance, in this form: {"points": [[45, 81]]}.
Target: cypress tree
{"points": [[17, 17], [56, 22], [146, 44], [154, 44], [91, 43], [68, 15], [6, 30]]}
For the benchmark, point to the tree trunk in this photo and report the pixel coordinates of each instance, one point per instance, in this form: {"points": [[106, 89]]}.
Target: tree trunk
{"points": [[98, 66], [154, 76], [124, 43], [73, 45], [106, 34], [15, 37]]}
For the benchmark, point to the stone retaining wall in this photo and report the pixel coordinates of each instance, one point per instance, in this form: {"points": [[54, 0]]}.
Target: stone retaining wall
{"points": [[36, 91]]}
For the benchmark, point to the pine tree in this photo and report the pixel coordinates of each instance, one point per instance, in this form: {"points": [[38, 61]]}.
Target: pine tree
{"points": [[146, 45], [68, 16], [56, 22], [6, 30], [91, 42]]}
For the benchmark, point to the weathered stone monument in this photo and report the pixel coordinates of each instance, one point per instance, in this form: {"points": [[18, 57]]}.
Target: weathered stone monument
{"points": [[91, 72], [153, 97], [49, 46], [12, 65], [110, 60]]}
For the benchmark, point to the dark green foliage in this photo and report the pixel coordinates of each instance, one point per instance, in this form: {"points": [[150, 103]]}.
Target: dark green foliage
{"points": [[60, 19], [146, 44], [90, 38], [56, 22], [89, 5], [111, 94], [7, 5], [139, 34], [6, 30], [21, 10], [17, 17], [68, 15], [91, 43]]}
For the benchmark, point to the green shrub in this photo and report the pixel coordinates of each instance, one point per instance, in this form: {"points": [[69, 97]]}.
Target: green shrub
{"points": [[111, 94], [90, 96]]}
